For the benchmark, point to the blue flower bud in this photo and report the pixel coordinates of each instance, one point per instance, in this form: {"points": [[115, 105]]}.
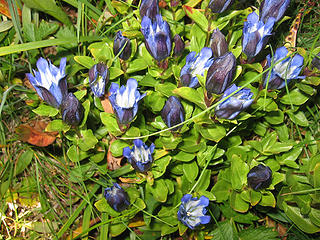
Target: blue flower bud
{"points": [[219, 6], [50, 82], [273, 8], [140, 156], [98, 78], [255, 34], [173, 112], [71, 110], [121, 42], [316, 61], [221, 73], [195, 65], [149, 8], [192, 211], [286, 70], [218, 44], [178, 45], [157, 37], [124, 100], [259, 177], [231, 107], [117, 198]]}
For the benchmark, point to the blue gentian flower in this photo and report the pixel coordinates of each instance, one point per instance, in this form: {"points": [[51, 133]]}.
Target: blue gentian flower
{"points": [[231, 107], [172, 113], [259, 177], [124, 100], [98, 78], [192, 211], [149, 8], [219, 6], [285, 70], [119, 43], [273, 8], [157, 37], [140, 156], [255, 34], [50, 82], [195, 65], [220, 73], [117, 198], [71, 110]]}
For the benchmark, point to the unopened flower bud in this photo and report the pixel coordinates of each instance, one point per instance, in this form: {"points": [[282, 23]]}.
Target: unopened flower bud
{"points": [[173, 112], [71, 110], [98, 78], [149, 8], [123, 44], [273, 8], [117, 198], [259, 177], [178, 45], [219, 44], [219, 6]]}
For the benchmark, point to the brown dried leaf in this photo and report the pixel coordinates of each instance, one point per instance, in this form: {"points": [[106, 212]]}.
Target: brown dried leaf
{"points": [[107, 107], [113, 163], [4, 9], [33, 133]]}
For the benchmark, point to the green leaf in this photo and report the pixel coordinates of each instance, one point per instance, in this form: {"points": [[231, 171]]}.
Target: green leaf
{"points": [[275, 117], [85, 61], [204, 181], [137, 65], [117, 147], [212, 132], [23, 162], [258, 233], [111, 123], [166, 88], [57, 126], [224, 231], [237, 203], [239, 170], [196, 16], [87, 140], [296, 97], [159, 166], [191, 95], [298, 118], [184, 157], [267, 200], [159, 190], [222, 190], [191, 171], [46, 110], [115, 72], [86, 106], [75, 154]]}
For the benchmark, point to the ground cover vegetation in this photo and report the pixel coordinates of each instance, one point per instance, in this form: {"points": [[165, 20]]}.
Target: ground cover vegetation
{"points": [[159, 119]]}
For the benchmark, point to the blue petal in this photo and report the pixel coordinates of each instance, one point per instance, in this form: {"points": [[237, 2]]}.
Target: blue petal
{"points": [[205, 219], [127, 152], [186, 198], [138, 143]]}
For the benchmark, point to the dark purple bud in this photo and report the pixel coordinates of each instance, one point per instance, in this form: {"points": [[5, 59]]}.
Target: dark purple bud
{"points": [[221, 73], [174, 3], [316, 61], [186, 79], [149, 8], [259, 177], [71, 110], [219, 44], [123, 45], [219, 6], [178, 45], [98, 78], [117, 198], [173, 113], [273, 8]]}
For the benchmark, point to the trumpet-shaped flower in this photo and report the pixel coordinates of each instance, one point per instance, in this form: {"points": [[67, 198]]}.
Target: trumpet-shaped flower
{"points": [[196, 64], [255, 34], [98, 78], [121, 42], [124, 100], [283, 70], [172, 113], [192, 211], [117, 198], [231, 107], [157, 37], [140, 156], [259, 177], [50, 82], [273, 8], [220, 73]]}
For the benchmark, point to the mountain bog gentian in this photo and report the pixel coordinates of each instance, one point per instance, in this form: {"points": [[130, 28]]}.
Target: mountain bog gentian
{"points": [[173, 112], [98, 78], [219, 6], [157, 37], [117, 198], [192, 211], [178, 45], [50, 82], [149, 8], [123, 45], [231, 107], [140, 156], [196, 64], [71, 110], [220, 73], [273, 8], [259, 177], [284, 70], [255, 34], [218, 43], [124, 100]]}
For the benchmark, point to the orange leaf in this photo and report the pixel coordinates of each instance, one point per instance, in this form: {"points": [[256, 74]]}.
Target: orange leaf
{"points": [[107, 107], [35, 135], [4, 9]]}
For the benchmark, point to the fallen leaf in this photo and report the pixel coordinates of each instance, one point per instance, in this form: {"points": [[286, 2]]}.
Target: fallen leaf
{"points": [[113, 163], [107, 107], [34, 134], [4, 9]]}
